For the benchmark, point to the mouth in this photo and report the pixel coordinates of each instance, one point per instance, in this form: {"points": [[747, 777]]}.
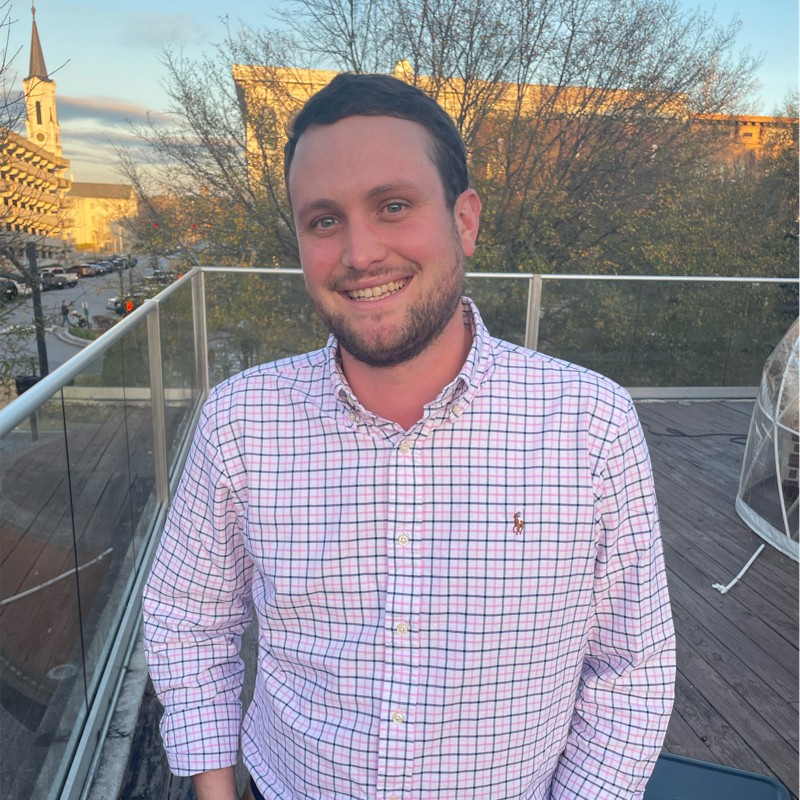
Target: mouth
{"points": [[372, 293]]}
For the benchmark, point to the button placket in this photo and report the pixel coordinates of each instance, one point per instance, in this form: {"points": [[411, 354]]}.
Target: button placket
{"points": [[401, 678]]}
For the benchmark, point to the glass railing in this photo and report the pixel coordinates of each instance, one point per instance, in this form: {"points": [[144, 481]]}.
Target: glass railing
{"points": [[656, 336], [84, 470], [90, 454], [656, 333]]}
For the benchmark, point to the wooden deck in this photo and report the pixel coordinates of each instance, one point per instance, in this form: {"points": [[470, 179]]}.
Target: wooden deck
{"points": [[737, 685]]}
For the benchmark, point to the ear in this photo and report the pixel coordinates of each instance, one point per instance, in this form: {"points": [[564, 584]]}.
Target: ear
{"points": [[467, 213]]}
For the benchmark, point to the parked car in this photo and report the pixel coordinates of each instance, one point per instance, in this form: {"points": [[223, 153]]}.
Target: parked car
{"points": [[13, 288], [8, 290], [124, 305], [56, 278], [106, 265], [82, 270], [162, 276], [99, 268]]}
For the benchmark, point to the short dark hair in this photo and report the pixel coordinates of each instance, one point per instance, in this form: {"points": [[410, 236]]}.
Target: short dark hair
{"points": [[351, 95]]}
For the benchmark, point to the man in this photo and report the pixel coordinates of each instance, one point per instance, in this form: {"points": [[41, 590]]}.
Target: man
{"points": [[450, 542], [64, 313]]}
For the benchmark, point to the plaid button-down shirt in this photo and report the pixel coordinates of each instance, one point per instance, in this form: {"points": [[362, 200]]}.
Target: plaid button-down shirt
{"points": [[473, 608]]}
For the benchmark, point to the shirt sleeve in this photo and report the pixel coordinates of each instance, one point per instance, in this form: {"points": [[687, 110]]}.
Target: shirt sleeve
{"points": [[196, 605], [626, 689]]}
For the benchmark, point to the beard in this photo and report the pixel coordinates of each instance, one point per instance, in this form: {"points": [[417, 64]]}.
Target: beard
{"points": [[424, 323]]}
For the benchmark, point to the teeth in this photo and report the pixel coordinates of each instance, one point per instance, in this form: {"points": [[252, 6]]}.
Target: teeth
{"points": [[376, 292]]}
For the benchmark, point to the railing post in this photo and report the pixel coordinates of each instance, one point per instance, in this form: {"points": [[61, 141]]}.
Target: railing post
{"points": [[158, 404], [200, 330], [534, 308]]}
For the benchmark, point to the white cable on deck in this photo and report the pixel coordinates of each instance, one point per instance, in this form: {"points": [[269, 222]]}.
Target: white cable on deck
{"points": [[55, 580], [724, 589]]}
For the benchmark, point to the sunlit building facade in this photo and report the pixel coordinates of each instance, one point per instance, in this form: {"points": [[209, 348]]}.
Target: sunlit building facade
{"points": [[40, 201], [33, 171], [97, 214], [270, 95]]}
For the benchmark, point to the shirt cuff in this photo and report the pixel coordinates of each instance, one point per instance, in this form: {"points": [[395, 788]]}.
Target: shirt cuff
{"points": [[202, 739]]}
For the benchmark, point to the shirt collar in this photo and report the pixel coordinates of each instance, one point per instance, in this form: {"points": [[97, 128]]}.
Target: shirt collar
{"points": [[454, 397]]}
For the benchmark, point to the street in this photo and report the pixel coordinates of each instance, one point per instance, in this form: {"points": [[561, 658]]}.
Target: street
{"points": [[93, 291]]}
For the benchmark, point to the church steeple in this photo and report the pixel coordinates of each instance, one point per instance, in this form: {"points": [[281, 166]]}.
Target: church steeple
{"points": [[37, 68], [41, 120]]}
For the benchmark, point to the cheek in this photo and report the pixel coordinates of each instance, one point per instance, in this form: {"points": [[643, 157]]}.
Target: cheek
{"points": [[318, 259]]}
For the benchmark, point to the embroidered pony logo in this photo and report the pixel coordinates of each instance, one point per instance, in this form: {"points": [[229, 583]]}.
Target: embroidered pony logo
{"points": [[519, 523]]}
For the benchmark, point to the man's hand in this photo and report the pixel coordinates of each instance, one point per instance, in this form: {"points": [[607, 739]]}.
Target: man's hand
{"points": [[217, 784]]}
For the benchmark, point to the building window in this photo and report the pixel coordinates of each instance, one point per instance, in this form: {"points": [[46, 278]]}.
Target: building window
{"points": [[38, 113]]}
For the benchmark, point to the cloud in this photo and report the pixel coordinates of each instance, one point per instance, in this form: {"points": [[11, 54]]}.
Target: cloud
{"points": [[106, 111], [93, 154], [157, 31], [93, 129]]}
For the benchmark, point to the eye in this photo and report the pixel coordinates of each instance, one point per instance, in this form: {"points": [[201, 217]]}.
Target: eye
{"points": [[395, 207], [323, 223]]}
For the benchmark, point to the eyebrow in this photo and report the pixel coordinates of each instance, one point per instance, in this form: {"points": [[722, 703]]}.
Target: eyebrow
{"points": [[389, 188], [325, 204]]}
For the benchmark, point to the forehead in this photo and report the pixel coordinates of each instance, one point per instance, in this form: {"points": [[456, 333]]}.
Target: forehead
{"points": [[361, 150]]}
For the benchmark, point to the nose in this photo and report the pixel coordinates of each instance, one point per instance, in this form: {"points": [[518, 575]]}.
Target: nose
{"points": [[363, 245]]}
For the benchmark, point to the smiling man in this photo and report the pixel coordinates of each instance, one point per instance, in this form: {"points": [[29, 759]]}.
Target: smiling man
{"points": [[450, 543]]}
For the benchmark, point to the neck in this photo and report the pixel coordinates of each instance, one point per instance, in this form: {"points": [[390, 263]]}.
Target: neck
{"points": [[400, 393]]}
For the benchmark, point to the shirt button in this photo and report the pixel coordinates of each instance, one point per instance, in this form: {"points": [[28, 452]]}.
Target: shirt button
{"points": [[457, 409], [352, 416], [405, 447], [403, 540], [402, 628], [398, 718]]}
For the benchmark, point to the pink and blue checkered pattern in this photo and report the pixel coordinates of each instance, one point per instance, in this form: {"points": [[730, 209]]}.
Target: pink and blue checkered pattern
{"points": [[413, 644]]}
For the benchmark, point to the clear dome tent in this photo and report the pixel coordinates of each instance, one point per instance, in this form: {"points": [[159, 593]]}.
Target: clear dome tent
{"points": [[768, 488]]}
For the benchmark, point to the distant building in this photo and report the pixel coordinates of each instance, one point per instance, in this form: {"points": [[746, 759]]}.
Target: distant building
{"points": [[33, 171], [96, 214], [748, 133], [270, 95], [744, 139], [40, 203]]}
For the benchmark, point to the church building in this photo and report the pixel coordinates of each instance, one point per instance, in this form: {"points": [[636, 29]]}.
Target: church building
{"points": [[40, 200], [33, 171]]}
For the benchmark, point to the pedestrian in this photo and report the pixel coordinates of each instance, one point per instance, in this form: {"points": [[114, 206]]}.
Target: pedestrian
{"points": [[64, 314], [450, 543]]}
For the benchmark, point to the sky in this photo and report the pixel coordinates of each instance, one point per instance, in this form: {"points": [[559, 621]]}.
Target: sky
{"points": [[105, 59]]}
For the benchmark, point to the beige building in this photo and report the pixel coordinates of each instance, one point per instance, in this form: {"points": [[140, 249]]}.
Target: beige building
{"points": [[96, 214], [40, 202], [33, 170], [270, 95]]}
